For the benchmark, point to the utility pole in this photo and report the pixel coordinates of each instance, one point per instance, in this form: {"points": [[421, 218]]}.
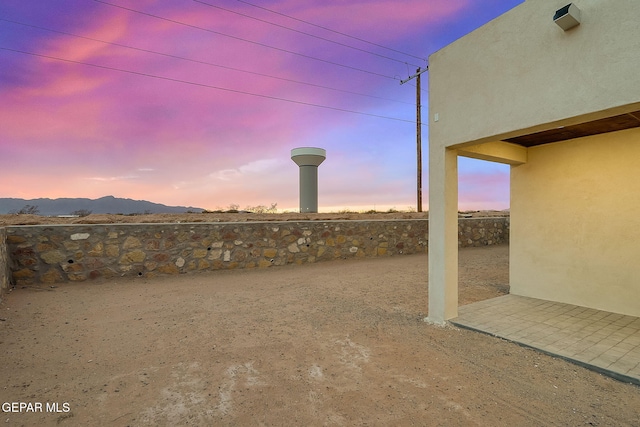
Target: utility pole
{"points": [[419, 71]]}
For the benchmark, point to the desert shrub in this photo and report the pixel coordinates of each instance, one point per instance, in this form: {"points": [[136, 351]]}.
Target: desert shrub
{"points": [[81, 212], [27, 209]]}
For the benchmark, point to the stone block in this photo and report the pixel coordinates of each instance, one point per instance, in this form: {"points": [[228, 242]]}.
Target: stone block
{"points": [[229, 235], [133, 257], [168, 269], [24, 273], [52, 257], [94, 263], [152, 245], [15, 240], [150, 265], [239, 255], [52, 276], [270, 252], [77, 277], [112, 251], [161, 257], [293, 248], [27, 262], [215, 254], [71, 246], [97, 250], [200, 253], [44, 247], [264, 263], [131, 243]]}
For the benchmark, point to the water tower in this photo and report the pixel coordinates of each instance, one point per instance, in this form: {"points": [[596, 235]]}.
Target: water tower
{"points": [[308, 159]]}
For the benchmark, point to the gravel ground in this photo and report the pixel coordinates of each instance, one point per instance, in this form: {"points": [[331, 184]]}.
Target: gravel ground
{"points": [[337, 343]]}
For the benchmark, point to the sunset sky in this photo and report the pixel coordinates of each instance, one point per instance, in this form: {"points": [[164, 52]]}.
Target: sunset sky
{"points": [[199, 103]]}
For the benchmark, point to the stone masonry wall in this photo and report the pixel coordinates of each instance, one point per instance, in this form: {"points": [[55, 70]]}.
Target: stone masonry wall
{"points": [[4, 263], [483, 231], [62, 253]]}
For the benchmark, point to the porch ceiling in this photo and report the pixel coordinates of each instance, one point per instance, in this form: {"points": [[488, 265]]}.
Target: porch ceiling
{"points": [[609, 124]]}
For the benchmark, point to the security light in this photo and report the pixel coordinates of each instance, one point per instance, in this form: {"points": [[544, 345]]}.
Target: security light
{"points": [[567, 17]]}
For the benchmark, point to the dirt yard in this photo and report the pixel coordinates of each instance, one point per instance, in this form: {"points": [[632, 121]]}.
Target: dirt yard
{"points": [[336, 343]]}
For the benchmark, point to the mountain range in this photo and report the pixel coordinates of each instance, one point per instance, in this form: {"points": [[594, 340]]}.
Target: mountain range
{"points": [[103, 205]]}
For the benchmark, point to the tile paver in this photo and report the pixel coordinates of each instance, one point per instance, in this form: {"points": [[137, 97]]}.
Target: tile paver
{"points": [[599, 340]]}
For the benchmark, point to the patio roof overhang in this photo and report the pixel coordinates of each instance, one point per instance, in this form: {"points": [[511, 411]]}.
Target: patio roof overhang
{"points": [[595, 127]]}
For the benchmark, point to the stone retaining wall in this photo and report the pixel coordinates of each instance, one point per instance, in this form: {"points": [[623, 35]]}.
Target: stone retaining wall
{"points": [[4, 264], [61, 253], [483, 231]]}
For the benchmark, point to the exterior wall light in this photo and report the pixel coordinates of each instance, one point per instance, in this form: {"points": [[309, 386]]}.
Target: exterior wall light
{"points": [[567, 17]]}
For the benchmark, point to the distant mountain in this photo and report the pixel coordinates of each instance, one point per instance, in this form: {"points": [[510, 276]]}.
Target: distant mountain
{"points": [[103, 205]]}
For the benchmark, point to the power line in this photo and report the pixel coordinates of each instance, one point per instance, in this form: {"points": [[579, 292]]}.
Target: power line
{"points": [[302, 32], [333, 31], [203, 62], [205, 85], [248, 41]]}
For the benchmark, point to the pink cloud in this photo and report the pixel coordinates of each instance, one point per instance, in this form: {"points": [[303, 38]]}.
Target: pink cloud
{"points": [[110, 28], [82, 131], [32, 121], [64, 85]]}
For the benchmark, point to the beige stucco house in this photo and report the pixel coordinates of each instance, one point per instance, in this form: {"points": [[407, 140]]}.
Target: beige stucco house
{"points": [[563, 109]]}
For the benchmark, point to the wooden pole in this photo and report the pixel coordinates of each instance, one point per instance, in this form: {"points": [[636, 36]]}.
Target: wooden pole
{"points": [[419, 71]]}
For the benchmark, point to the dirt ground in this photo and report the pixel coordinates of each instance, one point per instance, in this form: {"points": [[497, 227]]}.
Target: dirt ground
{"points": [[337, 343]]}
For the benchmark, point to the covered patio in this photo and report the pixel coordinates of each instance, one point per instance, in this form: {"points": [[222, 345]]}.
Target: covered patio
{"points": [[560, 106]]}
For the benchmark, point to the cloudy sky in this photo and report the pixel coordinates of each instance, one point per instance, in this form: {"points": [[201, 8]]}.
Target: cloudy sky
{"points": [[199, 102]]}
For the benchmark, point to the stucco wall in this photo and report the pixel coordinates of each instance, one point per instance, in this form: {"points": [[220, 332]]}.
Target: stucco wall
{"points": [[521, 72], [49, 254], [514, 76], [575, 228]]}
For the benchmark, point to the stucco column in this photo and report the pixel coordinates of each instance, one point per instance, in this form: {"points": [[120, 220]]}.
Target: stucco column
{"points": [[443, 234]]}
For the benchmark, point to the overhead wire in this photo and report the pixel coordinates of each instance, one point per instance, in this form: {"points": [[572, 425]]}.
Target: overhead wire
{"points": [[248, 41], [205, 85], [203, 62], [302, 32], [331, 30]]}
